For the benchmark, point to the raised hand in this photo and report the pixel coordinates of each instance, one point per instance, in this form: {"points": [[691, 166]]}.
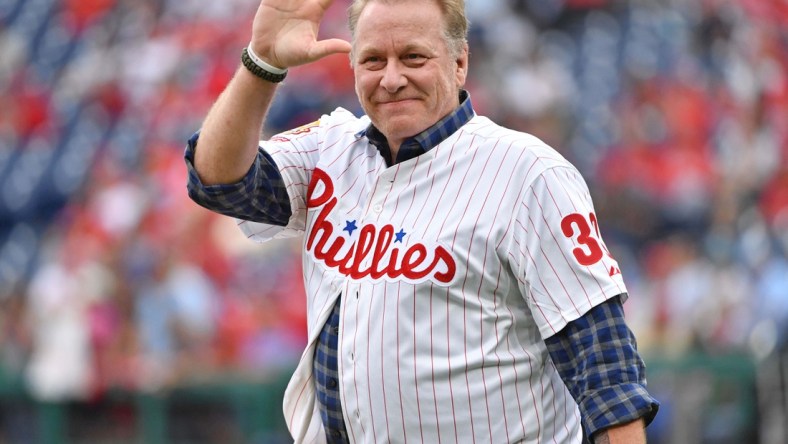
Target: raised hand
{"points": [[284, 32]]}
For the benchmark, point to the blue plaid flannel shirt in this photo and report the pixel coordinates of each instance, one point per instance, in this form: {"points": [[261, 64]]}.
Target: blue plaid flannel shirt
{"points": [[327, 379], [610, 394]]}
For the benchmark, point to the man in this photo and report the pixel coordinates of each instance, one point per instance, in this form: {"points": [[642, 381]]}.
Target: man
{"points": [[458, 289]]}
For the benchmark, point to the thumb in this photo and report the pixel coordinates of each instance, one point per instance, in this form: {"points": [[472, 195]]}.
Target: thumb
{"points": [[328, 47]]}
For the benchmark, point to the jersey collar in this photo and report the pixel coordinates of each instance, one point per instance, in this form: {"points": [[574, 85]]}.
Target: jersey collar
{"points": [[427, 139]]}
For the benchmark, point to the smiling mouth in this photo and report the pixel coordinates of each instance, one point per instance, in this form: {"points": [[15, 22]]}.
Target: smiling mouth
{"points": [[395, 102]]}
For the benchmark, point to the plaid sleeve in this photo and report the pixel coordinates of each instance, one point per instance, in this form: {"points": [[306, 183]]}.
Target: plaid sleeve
{"points": [[260, 196], [596, 356]]}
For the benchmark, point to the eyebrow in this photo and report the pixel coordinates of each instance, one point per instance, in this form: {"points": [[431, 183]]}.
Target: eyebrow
{"points": [[369, 49]]}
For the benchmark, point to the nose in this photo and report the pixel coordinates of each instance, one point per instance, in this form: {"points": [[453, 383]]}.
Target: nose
{"points": [[393, 77]]}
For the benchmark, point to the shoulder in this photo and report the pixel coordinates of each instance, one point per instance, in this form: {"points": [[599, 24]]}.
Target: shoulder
{"points": [[344, 118], [532, 155], [339, 121]]}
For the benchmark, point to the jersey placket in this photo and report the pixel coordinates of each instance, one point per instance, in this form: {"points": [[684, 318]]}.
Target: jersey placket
{"points": [[353, 373], [363, 315]]}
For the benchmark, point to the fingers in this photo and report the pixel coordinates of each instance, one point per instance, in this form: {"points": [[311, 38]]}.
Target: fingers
{"points": [[284, 32], [328, 47]]}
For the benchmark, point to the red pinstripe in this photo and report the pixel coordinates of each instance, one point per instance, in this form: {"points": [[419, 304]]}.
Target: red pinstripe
{"points": [[418, 403], [340, 155], [495, 298], [382, 366], [309, 279], [388, 193], [448, 356], [464, 316], [454, 145], [296, 151], [605, 260], [440, 199], [465, 280], [429, 193], [465, 211], [296, 167], [413, 196], [563, 395], [555, 412], [543, 286], [399, 373], [549, 262], [514, 367], [361, 194], [478, 292], [563, 253], [415, 374], [299, 184], [448, 323], [432, 369], [355, 181], [306, 384], [568, 195], [533, 396], [519, 197], [355, 383], [394, 179], [350, 164]]}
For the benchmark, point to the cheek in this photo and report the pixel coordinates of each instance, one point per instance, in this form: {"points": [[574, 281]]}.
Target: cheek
{"points": [[365, 87], [360, 81], [447, 87]]}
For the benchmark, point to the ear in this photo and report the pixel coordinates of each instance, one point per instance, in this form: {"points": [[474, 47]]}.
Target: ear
{"points": [[462, 66]]}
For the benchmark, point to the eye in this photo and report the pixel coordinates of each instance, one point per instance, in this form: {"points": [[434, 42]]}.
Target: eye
{"points": [[372, 62], [414, 59]]}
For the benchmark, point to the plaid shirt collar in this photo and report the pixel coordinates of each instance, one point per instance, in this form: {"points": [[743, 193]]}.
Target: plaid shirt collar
{"points": [[427, 139]]}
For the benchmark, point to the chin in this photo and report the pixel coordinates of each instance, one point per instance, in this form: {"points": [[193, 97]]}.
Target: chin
{"points": [[401, 131], [404, 122]]}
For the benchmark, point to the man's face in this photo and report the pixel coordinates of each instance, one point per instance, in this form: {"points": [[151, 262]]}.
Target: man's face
{"points": [[406, 79]]}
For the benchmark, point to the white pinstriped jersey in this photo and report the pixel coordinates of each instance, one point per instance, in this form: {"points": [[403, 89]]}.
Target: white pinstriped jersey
{"points": [[452, 266]]}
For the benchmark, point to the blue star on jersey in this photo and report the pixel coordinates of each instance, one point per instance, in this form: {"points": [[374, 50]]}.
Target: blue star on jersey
{"points": [[350, 227]]}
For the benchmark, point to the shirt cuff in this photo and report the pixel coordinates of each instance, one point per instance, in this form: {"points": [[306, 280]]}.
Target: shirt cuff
{"points": [[260, 196], [596, 356], [616, 405], [195, 183]]}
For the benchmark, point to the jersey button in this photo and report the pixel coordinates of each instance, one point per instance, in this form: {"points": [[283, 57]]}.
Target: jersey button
{"points": [[332, 383], [377, 208]]}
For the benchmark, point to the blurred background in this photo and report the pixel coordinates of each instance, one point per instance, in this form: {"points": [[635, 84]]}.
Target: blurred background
{"points": [[129, 314]]}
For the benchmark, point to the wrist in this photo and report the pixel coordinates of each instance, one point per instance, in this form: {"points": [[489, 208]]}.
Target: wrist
{"points": [[260, 68], [262, 63]]}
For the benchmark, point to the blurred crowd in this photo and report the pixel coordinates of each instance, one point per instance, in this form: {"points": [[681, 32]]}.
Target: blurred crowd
{"points": [[675, 111]]}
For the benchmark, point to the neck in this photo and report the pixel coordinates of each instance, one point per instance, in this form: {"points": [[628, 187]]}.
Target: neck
{"points": [[394, 145]]}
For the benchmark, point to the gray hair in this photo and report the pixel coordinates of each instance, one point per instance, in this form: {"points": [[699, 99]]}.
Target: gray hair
{"points": [[456, 26]]}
